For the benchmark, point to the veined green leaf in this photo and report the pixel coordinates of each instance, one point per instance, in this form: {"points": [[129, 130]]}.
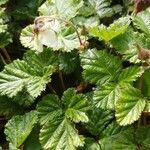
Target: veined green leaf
{"points": [[66, 8], [90, 144], [104, 9], [32, 74], [58, 131], [108, 33], [76, 106], [3, 2], [130, 74], [98, 120], [19, 127], [68, 62], [99, 66], [49, 108], [107, 96], [9, 108], [142, 21], [60, 134], [117, 138], [130, 106]]}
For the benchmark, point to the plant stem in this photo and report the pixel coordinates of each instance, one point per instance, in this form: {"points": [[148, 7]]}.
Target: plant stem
{"points": [[3, 60], [61, 80], [51, 89], [6, 55]]}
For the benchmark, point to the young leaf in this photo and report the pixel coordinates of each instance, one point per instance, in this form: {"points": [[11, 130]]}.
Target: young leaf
{"points": [[60, 134], [76, 106], [24, 74], [130, 74], [66, 8], [19, 127], [107, 96], [129, 106], [108, 33], [99, 66]]}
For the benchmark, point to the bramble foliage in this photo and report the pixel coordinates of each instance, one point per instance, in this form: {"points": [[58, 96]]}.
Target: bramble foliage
{"points": [[74, 75]]}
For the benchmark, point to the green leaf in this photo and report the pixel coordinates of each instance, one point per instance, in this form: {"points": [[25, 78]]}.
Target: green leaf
{"points": [[66, 8], [142, 21], [103, 8], [32, 142], [90, 144], [60, 134], [58, 131], [118, 139], [130, 74], [9, 108], [99, 66], [86, 22], [130, 106], [49, 108], [142, 136], [108, 33], [3, 2], [146, 83], [32, 74], [126, 45], [76, 106], [99, 120], [19, 127], [69, 62], [107, 96]]}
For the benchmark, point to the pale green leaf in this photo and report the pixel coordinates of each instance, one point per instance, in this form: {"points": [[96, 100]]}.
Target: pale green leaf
{"points": [[60, 134], [130, 74], [19, 127], [107, 96], [142, 21], [76, 106], [66, 8], [86, 22], [103, 8], [32, 74], [130, 106], [99, 66], [3, 2], [108, 33]]}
